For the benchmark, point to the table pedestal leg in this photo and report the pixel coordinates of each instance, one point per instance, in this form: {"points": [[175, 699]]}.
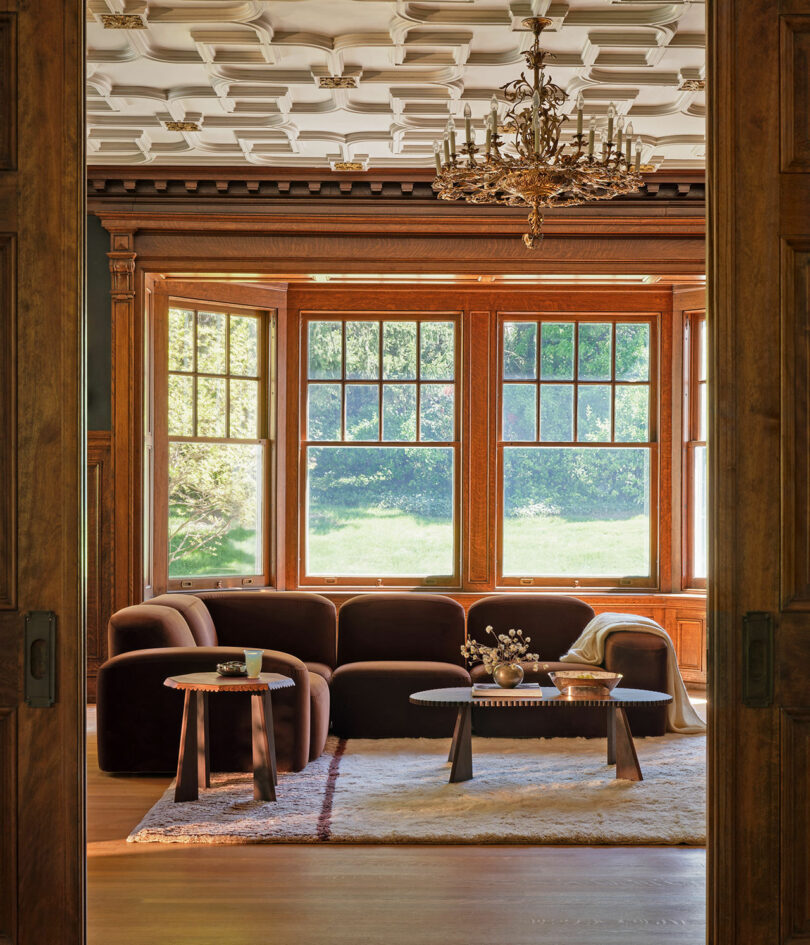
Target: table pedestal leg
{"points": [[456, 729], [627, 766], [187, 758], [461, 749], [203, 750], [263, 767], [611, 735]]}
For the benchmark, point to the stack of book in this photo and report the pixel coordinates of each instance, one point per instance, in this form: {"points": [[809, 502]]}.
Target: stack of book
{"points": [[493, 690]]}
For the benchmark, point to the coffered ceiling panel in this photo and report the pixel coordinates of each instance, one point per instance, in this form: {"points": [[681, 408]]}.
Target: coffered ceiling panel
{"points": [[348, 82]]}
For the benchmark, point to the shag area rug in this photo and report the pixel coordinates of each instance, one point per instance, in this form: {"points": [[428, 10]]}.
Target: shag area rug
{"points": [[553, 791]]}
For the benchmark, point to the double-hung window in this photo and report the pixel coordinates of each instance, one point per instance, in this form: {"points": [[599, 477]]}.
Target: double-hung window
{"points": [[216, 445], [379, 450], [695, 422], [577, 450]]}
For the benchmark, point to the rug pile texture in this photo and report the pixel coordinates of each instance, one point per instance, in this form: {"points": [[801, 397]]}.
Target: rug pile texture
{"points": [[552, 791]]}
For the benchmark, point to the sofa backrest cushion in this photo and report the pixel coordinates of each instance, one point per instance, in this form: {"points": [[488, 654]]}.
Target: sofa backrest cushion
{"points": [[194, 612], [399, 626], [291, 621], [146, 626], [552, 621]]}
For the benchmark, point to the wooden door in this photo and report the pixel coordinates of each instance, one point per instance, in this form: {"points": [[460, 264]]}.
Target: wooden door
{"points": [[759, 317], [41, 457]]}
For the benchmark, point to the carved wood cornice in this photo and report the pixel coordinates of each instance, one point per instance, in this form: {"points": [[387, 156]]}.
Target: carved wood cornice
{"points": [[122, 264], [218, 186]]}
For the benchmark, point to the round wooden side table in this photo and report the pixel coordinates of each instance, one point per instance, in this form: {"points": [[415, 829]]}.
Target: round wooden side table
{"points": [[193, 761]]}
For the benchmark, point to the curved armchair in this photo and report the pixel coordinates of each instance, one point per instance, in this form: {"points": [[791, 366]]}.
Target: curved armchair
{"points": [[139, 718]]}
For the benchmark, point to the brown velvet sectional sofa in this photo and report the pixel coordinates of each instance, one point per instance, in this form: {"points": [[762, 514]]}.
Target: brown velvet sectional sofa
{"points": [[353, 671]]}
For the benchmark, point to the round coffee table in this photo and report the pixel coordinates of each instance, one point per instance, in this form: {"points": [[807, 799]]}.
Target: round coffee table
{"points": [[193, 761], [620, 748]]}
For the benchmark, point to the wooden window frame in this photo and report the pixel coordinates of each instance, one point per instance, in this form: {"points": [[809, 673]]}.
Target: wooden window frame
{"points": [[692, 382], [163, 301], [652, 444], [450, 582]]}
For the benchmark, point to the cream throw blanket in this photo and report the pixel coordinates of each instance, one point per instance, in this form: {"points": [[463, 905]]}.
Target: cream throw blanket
{"points": [[589, 647]]}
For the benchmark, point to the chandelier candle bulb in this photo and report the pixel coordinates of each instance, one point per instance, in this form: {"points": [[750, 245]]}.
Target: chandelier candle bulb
{"points": [[451, 131], [638, 155], [620, 130], [580, 107], [446, 145], [437, 156], [611, 113], [591, 136], [629, 142], [468, 125]]}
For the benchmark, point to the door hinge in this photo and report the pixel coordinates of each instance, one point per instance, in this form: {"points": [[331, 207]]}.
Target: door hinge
{"points": [[757, 681], [40, 658]]}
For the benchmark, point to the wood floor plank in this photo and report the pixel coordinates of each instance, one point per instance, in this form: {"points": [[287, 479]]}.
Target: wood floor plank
{"points": [[354, 894]]}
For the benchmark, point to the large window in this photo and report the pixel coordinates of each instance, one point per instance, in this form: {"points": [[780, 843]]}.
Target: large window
{"points": [[695, 423], [577, 451], [379, 450], [464, 442], [216, 445]]}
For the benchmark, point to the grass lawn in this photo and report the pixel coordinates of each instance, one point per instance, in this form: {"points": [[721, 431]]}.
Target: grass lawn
{"points": [[379, 542], [383, 543], [561, 547]]}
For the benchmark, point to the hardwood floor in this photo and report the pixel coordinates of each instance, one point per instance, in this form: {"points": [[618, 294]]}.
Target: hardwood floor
{"points": [[317, 894]]}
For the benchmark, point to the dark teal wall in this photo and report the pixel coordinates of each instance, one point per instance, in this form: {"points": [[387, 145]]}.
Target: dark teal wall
{"points": [[99, 354]]}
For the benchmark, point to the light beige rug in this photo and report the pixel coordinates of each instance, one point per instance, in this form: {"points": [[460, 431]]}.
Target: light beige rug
{"points": [[396, 791]]}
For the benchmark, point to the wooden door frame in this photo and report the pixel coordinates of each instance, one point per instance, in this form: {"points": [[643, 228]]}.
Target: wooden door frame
{"points": [[42, 466], [725, 650]]}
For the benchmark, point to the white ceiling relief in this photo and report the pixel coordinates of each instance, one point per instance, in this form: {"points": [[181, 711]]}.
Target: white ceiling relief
{"points": [[345, 82]]}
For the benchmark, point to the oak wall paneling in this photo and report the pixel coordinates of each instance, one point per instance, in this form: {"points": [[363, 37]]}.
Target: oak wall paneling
{"points": [[99, 524], [211, 247]]}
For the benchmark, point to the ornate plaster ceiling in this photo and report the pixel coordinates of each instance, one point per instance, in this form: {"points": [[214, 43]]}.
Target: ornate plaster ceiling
{"points": [[314, 82]]}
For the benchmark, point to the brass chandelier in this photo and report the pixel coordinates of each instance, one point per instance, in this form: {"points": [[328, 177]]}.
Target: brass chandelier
{"points": [[538, 171]]}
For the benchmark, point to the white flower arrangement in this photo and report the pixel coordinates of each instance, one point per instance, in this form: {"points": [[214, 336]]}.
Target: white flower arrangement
{"points": [[511, 647]]}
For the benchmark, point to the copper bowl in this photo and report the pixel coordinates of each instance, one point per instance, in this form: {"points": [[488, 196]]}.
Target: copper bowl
{"points": [[578, 682]]}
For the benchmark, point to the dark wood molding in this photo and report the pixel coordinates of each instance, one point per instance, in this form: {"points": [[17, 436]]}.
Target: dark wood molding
{"points": [[8, 426], [8, 91], [126, 415], [100, 558], [223, 185]]}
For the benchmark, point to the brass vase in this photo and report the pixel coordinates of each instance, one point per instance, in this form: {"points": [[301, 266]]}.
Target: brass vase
{"points": [[508, 675]]}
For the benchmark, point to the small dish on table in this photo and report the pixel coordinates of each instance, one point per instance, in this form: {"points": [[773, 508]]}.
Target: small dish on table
{"points": [[232, 668], [577, 682]]}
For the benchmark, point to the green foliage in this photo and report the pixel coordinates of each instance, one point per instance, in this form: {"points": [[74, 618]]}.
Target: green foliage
{"points": [[213, 496]]}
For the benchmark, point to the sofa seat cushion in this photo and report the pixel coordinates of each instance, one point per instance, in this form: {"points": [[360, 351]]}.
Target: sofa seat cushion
{"points": [[540, 675], [370, 699], [321, 669]]}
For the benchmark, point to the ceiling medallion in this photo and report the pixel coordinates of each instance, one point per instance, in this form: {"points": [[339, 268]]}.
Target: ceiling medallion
{"points": [[337, 82], [537, 170], [123, 21]]}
